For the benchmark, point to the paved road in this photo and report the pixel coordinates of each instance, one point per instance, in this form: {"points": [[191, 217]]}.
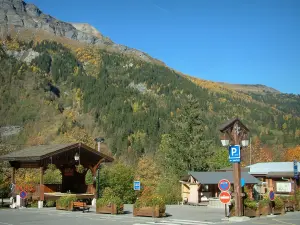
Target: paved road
{"points": [[178, 215], [291, 218]]}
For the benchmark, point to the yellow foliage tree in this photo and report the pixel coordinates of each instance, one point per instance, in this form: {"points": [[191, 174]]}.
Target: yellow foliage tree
{"points": [[293, 154], [147, 172]]}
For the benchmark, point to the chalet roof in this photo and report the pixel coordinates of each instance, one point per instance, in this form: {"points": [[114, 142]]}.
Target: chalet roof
{"points": [[43, 151], [273, 169], [215, 177], [229, 123], [226, 169]]}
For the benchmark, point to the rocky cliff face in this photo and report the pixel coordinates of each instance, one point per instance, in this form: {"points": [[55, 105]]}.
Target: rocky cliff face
{"points": [[19, 15]]}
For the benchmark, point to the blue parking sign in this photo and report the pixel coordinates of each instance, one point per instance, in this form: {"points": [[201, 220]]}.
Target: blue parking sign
{"points": [[234, 153], [137, 185]]}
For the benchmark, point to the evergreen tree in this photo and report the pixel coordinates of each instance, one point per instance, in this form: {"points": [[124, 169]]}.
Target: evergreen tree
{"points": [[186, 148]]}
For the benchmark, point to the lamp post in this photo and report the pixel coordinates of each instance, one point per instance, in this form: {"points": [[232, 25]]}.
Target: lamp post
{"points": [[235, 133], [99, 140]]}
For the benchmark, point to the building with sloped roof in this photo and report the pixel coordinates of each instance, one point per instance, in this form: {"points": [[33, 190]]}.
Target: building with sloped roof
{"points": [[197, 187], [276, 176]]}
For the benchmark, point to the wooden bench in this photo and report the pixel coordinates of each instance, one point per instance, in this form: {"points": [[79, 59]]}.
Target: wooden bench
{"points": [[81, 205]]}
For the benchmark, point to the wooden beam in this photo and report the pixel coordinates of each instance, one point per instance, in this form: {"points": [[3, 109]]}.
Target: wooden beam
{"points": [[96, 166], [41, 183]]}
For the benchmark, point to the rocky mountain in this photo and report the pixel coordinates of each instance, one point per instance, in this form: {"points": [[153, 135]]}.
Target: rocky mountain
{"points": [[19, 15]]}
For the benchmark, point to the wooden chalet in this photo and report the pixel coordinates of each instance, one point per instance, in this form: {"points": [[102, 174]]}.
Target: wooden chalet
{"points": [[63, 156]]}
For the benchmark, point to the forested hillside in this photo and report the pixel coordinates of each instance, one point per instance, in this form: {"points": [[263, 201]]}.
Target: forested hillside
{"points": [[130, 102], [152, 118]]}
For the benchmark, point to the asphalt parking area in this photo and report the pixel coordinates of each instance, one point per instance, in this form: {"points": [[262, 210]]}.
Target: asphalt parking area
{"points": [[51, 216]]}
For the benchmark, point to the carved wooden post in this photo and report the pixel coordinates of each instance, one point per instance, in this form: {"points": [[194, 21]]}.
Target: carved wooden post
{"points": [[13, 181], [41, 183]]}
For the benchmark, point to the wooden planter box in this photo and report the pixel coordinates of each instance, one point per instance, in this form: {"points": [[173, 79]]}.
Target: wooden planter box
{"points": [[289, 206], [280, 211], [68, 208], [297, 205], [107, 209], [149, 211], [251, 212], [265, 210]]}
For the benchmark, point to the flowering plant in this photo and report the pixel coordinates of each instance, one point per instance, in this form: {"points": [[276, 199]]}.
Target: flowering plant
{"points": [[150, 199], [109, 198]]}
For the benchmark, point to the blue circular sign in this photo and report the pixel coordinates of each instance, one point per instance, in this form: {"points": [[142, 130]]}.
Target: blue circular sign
{"points": [[272, 195], [224, 185], [23, 194]]}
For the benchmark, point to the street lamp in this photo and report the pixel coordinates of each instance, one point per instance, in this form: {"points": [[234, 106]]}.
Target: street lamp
{"points": [[236, 133], [99, 140], [225, 140], [76, 156], [245, 140], [98, 179]]}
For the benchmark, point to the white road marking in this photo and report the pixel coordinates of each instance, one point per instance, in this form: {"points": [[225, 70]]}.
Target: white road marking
{"points": [[193, 221], [6, 223], [176, 222]]}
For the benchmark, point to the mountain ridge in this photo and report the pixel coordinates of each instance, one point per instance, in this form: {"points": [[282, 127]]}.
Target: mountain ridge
{"points": [[17, 14]]}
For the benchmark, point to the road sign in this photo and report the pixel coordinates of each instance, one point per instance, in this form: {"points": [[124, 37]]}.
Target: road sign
{"points": [[234, 153], [271, 195], [224, 185], [23, 194], [225, 197], [295, 169], [137, 185], [242, 182]]}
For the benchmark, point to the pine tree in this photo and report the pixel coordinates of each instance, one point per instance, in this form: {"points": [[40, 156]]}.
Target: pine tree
{"points": [[186, 148]]}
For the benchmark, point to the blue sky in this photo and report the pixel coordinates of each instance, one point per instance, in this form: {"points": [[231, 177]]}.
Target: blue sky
{"points": [[235, 41]]}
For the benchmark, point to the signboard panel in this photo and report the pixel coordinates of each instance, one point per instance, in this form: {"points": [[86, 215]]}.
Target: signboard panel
{"points": [[295, 166], [224, 185], [225, 197], [283, 187], [137, 185], [23, 194], [271, 196], [234, 153]]}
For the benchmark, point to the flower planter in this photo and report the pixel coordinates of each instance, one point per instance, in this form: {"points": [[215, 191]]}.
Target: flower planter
{"points": [[289, 206], [67, 208], [154, 211], [297, 205], [251, 212], [265, 210], [108, 209], [280, 211]]}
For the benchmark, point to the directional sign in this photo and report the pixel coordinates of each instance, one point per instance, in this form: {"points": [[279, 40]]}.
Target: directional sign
{"points": [[242, 182], [23, 194], [224, 185], [234, 153], [295, 169], [271, 196], [225, 197], [137, 185]]}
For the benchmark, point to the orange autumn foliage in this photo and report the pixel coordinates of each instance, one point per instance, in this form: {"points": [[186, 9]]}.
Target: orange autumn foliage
{"points": [[293, 154]]}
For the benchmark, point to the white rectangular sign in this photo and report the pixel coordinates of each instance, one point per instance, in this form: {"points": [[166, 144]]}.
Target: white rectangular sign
{"points": [[283, 187]]}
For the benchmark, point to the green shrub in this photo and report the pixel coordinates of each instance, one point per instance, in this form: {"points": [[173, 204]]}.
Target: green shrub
{"points": [[108, 198], [50, 203], [278, 202], [34, 204], [251, 204], [149, 198], [264, 202], [65, 201]]}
